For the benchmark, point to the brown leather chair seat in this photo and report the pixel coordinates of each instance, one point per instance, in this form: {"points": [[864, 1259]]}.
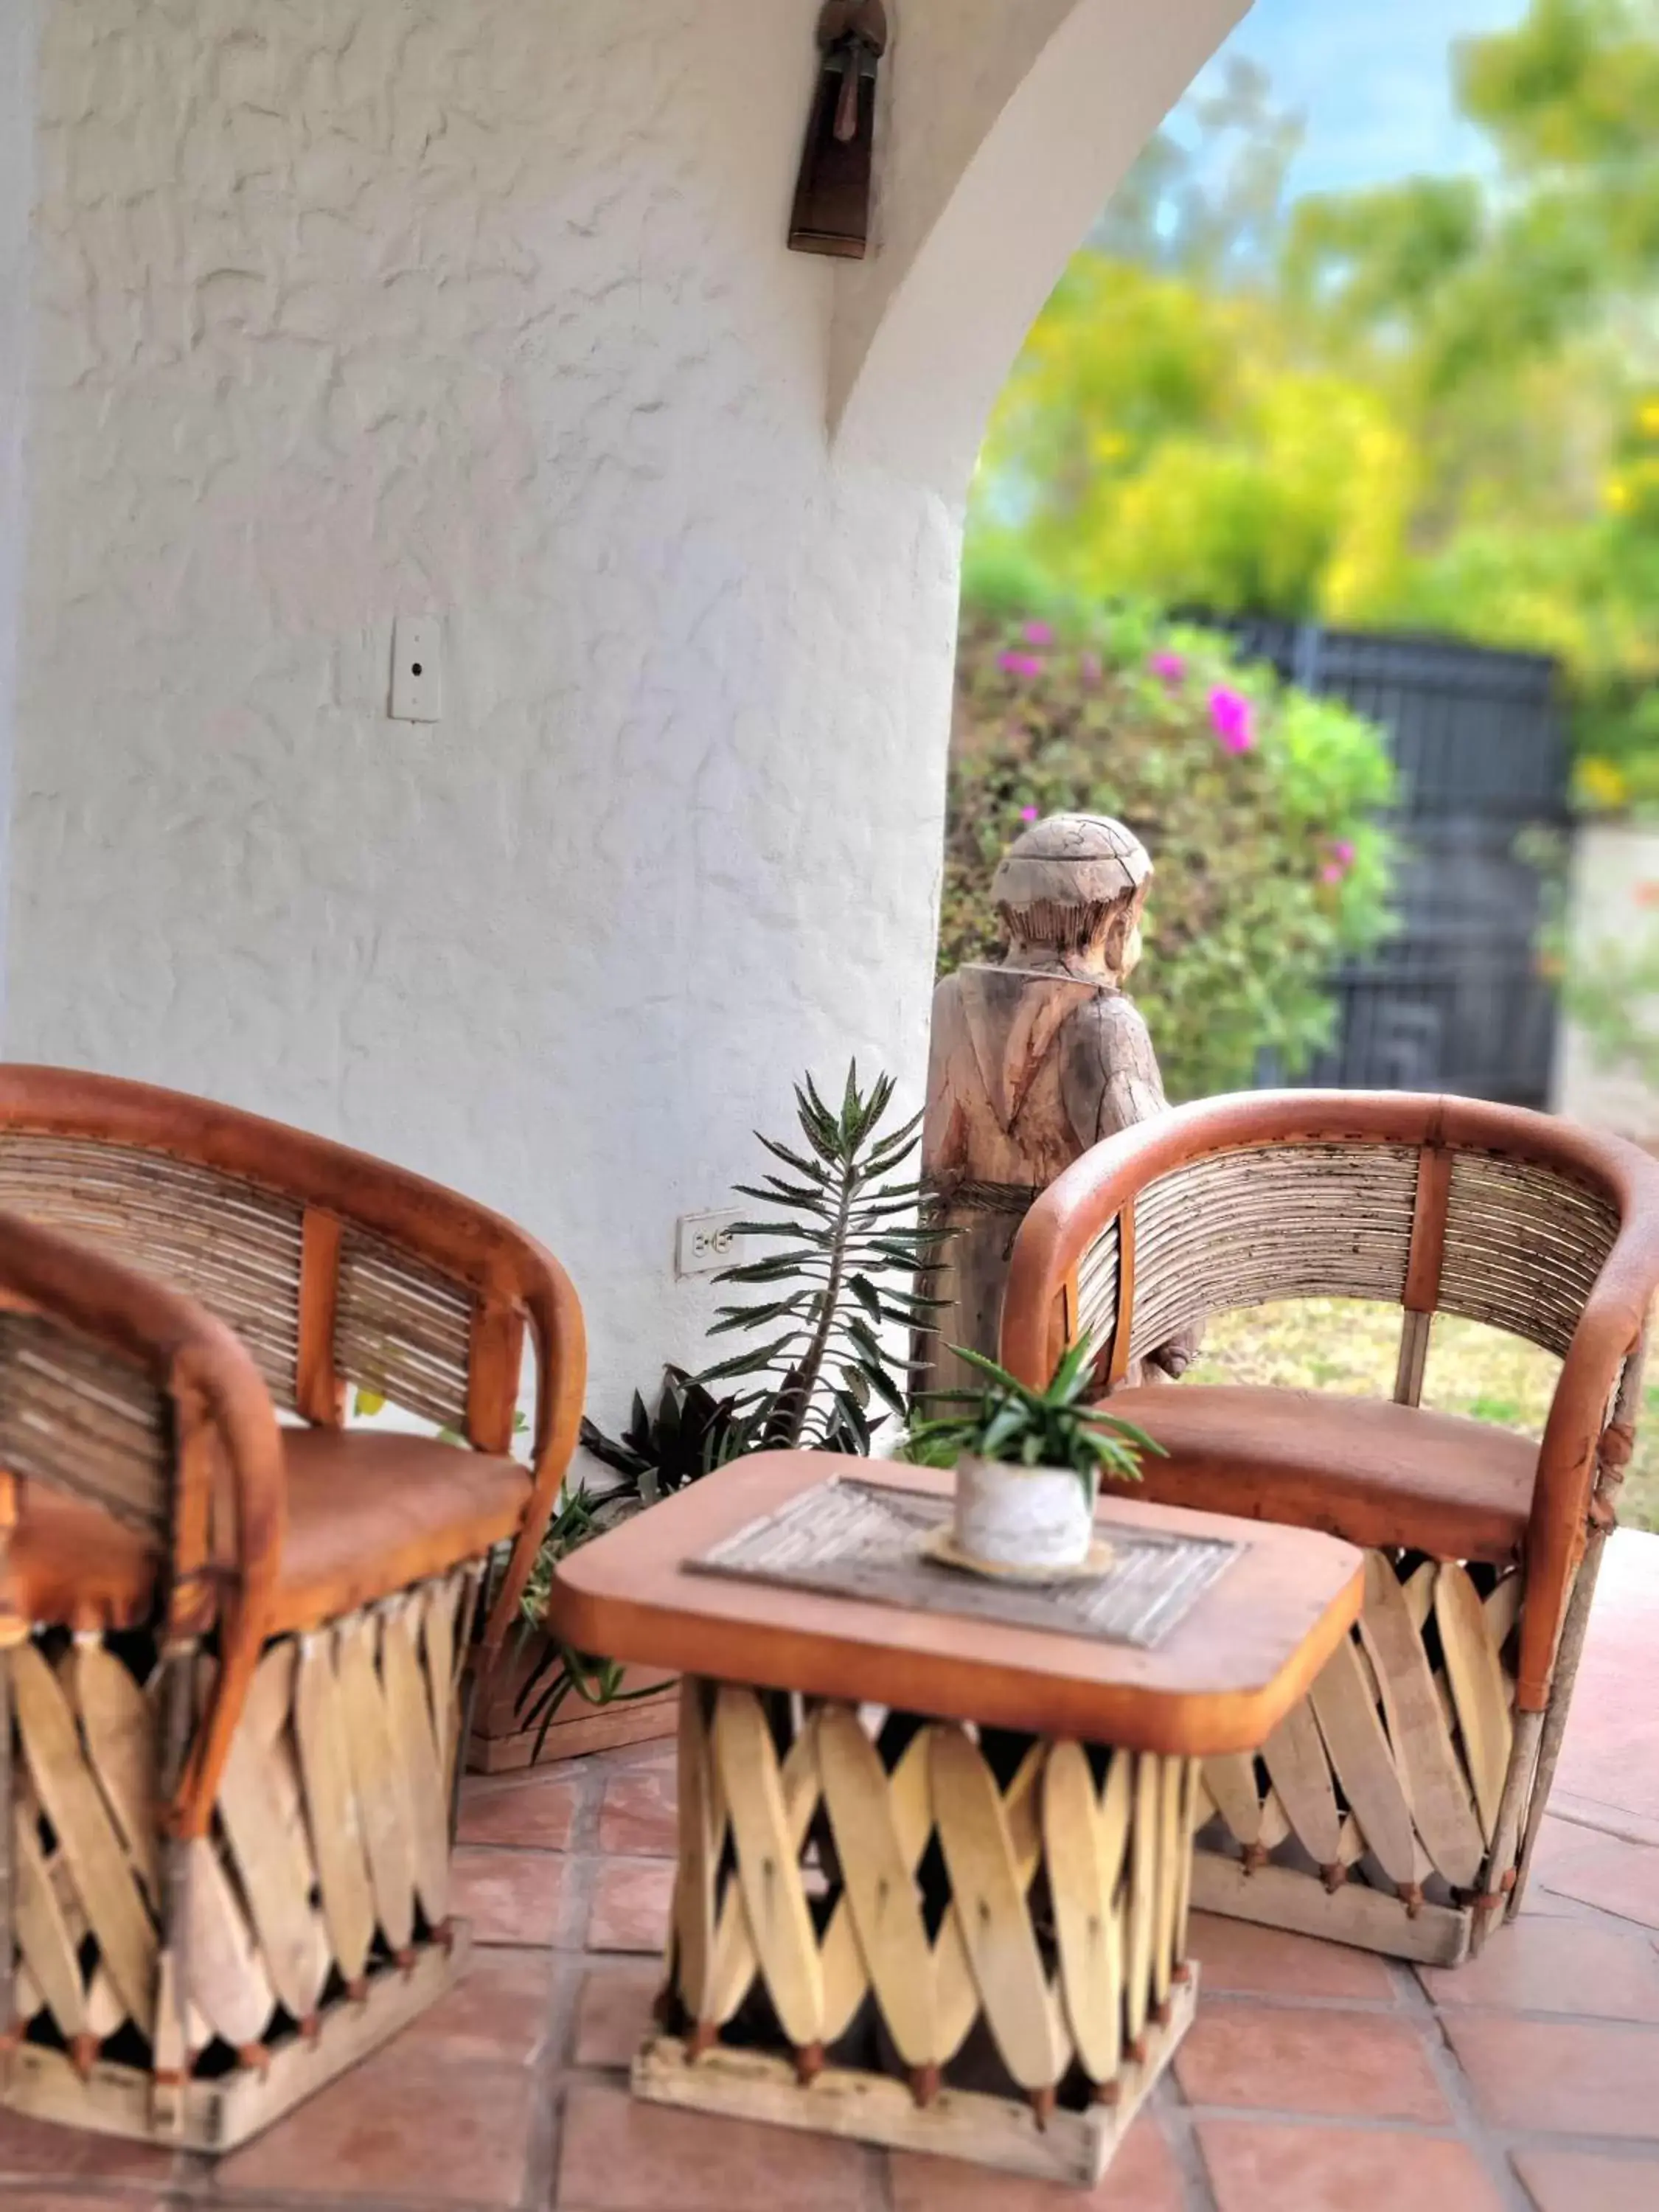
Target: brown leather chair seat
{"points": [[1377, 1474], [367, 1514]]}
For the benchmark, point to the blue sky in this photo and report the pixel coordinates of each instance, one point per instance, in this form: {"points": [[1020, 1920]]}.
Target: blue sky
{"points": [[1372, 79]]}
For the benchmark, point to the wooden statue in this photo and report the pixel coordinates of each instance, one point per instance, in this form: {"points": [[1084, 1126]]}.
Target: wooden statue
{"points": [[1032, 1062], [831, 212]]}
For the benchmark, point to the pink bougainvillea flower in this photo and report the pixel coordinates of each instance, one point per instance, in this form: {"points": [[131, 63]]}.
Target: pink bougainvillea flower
{"points": [[1027, 814], [1332, 873], [1234, 719], [1342, 852], [1092, 667], [1038, 633], [1020, 663], [1170, 666]]}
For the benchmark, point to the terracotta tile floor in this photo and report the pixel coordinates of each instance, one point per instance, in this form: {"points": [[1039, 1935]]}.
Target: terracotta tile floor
{"points": [[1317, 2079]]}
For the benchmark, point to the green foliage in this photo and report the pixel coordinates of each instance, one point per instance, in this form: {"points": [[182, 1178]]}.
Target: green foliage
{"points": [[1271, 866], [690, 1432], [1057, 1427], [1433, 404], [821, 1379], [847, 1270]]}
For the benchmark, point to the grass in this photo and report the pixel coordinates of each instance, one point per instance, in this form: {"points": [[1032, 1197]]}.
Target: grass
{"points": [[1343, 1345]]}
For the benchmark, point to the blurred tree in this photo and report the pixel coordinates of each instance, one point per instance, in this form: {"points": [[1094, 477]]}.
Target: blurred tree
{"points": [[1432, 403]]}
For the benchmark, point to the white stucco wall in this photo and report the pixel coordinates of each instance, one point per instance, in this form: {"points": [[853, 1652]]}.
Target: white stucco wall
{"points": [[18, 25], [479, 308]]}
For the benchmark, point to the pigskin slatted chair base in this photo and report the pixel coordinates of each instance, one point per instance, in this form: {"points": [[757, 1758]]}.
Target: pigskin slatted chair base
{"points": [[1374, 1814], [1396, 1807], [958, 1926], [313, 1920]]}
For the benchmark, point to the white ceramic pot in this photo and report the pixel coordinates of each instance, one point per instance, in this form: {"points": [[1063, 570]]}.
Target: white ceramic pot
{"points": [[1027, 1518]]}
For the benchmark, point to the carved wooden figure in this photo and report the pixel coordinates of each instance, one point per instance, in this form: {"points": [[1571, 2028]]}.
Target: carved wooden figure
{"points": [[832, 194], [1032, 1062]]}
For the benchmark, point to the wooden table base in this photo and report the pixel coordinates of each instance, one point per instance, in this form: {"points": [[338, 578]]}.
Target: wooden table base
{"points": [[896, 1928]]}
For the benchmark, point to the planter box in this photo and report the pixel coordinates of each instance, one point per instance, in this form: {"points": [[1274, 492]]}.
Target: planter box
{"points": [[500, 1741]]}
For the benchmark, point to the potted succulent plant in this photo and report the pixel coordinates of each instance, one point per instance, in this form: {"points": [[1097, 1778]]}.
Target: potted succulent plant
{"points": [[1028, 1466]]}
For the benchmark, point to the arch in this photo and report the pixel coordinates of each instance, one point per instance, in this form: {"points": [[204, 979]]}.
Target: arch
{"points": [[926, 331]]}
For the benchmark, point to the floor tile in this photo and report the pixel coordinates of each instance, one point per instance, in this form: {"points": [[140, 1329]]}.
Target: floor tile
{"points": [[632, 1899], [638, 1815], [1142, 2177], [29, 2146], [1608, 1751], [1250, 1961], [509, 1897], [1346, 2064], [535, 1811], [1257, 2166], [613, 2013], [619, 2155], [1617, 1877], [1541, 1965], [1578, 2181], [1557, 2077], [26, 2196], [417, 2130], [498, 2010]]}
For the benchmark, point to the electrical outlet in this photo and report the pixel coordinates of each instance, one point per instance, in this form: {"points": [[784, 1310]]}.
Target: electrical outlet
{"points": [[417, 676], [704, 1244]]}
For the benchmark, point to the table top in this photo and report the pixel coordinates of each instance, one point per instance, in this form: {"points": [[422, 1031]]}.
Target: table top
{"points": [[1220, 1681]]}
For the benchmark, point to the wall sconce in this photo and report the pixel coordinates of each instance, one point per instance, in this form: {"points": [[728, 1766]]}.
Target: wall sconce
{"points": [[832, 194]]}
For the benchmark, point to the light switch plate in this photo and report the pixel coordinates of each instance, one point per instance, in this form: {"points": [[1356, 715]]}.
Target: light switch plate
{"points": [[417, 677]]}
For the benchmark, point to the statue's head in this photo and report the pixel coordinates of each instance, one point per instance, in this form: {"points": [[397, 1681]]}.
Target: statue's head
{"points": [[1073, 887]]}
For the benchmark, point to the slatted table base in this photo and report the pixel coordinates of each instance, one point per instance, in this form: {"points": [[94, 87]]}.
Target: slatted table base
{"points": [[1382, 1808], [885, 1927], [1072, 2148]]}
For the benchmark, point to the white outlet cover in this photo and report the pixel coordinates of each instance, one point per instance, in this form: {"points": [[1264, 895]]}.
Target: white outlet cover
{"points": [[417, 676], [704, 1244]]}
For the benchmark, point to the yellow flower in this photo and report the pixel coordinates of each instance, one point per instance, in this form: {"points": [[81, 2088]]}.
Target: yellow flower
{"points": [[1647, 418], [1603, 782], [1618, 495], [1110, 446]]}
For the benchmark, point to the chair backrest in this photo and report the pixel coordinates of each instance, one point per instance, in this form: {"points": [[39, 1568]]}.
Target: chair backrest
{"points": [[332, 1268], [79, 1418], [1522, 1241], [228, 1243], [1513, 1219]]}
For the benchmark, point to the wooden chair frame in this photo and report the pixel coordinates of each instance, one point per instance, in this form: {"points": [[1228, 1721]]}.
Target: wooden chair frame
{"points": [[1088, 1217], [208, 1436]]}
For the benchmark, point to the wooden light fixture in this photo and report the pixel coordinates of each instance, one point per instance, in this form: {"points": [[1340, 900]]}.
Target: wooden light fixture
{"points": [[832, 193]]}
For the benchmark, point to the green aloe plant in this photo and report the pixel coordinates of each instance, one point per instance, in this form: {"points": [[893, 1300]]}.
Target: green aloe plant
{"points": [[1056, 1427], [851, 1256]]}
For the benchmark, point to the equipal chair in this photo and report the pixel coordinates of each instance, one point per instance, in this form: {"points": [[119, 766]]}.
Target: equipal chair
{"points": [[1397, 1808], [234, 1631]]}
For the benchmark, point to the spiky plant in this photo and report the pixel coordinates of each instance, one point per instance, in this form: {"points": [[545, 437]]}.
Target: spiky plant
{"points": [[853, 1254], [1062, 1426]]}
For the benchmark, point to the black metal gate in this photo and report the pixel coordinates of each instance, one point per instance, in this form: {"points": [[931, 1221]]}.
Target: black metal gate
{"points": [[1453, 1001]]}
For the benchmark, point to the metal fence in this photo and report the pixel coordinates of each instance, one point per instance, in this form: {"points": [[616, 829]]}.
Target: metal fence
{"points": [[1453, 1001]]}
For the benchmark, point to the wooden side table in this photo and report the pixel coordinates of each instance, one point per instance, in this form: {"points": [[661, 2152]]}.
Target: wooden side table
{"points": [[934, 1870]]}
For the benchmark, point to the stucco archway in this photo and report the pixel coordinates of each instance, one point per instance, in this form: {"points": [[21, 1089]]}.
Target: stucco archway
{"points": [[923, 337]]}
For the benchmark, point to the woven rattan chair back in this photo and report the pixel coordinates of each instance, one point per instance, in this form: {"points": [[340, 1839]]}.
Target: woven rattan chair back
{"points": [[402, 1329]]}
